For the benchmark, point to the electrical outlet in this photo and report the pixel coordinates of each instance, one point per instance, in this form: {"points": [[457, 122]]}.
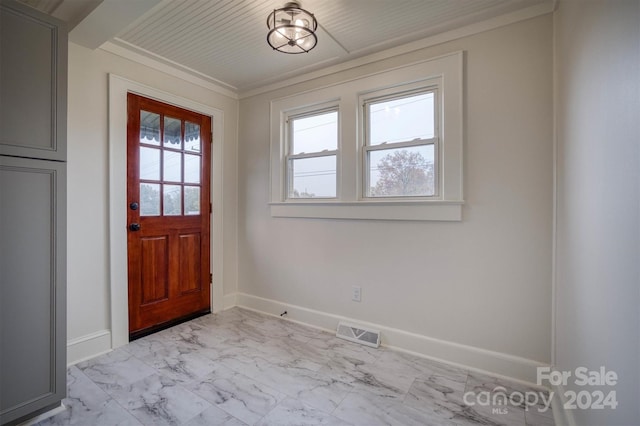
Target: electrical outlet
{"points": [[356, 293]]}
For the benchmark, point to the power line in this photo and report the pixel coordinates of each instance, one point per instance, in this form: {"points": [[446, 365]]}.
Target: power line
{"points": [[314, 127]]}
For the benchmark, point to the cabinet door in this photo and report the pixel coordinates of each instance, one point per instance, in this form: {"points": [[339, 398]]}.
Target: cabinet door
{"points": [[32, 286], [33, 83]]}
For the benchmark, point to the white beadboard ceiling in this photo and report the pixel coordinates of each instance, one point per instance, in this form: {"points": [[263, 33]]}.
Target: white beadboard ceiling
{"points": [[224, 41]]}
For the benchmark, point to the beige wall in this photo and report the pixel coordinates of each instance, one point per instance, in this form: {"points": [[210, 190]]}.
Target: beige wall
{"points": [[598, 225], [484, 282], [88, 178]]}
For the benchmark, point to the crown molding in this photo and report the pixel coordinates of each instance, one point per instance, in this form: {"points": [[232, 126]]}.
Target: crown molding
{"points": [[133, 53]]}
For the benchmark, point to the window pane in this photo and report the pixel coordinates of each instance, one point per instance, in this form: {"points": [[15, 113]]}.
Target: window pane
{"points": [[191, 200], [172, 166], [172, 200], [401, 172], [313, 177], [191, 137], [149, 163], [149, 128], [402, 120], [315, 134], [172, 133], [191, 168], [149, 199]]}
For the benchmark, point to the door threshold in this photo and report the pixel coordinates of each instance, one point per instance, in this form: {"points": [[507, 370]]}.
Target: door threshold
{"points": [[159, 327]]}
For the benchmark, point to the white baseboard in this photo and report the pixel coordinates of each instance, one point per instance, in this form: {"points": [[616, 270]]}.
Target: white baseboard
{"points": [[561, 416], [94, 344], [89, 346], [230, 300], [469, 357]]}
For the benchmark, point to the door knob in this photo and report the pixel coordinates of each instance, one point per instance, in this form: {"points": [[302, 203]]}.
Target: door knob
{"points": [[133, 206], [134, 227]]}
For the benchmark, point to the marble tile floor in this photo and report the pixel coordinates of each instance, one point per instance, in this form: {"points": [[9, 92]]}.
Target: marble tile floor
{"points": [[239, 367]]}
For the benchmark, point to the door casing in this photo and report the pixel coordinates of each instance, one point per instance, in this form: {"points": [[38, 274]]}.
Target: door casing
{"points": [[118, 335]]}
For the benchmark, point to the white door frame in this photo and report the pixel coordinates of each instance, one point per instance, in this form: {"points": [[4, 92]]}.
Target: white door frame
{"points": [[118, 277]]}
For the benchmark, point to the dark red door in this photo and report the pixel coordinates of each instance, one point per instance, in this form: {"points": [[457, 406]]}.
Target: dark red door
{"points": [[168, 212]]}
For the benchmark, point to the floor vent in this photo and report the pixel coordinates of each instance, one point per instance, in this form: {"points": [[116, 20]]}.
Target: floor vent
{"points": [[358, 334]]}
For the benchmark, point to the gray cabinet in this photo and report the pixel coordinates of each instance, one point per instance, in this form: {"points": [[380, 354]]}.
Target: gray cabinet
{"points": [[32, 292], [33, 63], [33, 83]]}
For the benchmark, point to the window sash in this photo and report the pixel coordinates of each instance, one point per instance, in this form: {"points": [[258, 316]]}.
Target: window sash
{"points": [[395, 145], [306, 114], [289, 158], [389, 95], [366, 189], [290, 175], [324, 153]]}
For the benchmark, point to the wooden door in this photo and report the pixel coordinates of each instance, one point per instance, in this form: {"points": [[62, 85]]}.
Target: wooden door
{"points": [[168, 212]]}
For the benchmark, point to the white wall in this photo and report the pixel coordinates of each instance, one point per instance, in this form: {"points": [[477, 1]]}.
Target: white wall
{"points": [[88, 169], [484, 282], [598, 224]]}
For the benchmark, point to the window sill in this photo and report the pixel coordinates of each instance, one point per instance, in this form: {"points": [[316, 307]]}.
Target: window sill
{"points": [[371, 210]]}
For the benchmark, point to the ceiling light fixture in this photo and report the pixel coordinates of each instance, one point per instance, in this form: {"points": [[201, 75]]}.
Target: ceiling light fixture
{"points": [[292, 29]]}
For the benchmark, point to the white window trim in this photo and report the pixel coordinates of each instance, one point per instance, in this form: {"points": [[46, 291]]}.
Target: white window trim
{"points": [[447, 72]]}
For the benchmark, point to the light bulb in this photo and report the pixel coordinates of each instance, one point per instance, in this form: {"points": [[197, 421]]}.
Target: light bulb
{"points": [[302, 23]]}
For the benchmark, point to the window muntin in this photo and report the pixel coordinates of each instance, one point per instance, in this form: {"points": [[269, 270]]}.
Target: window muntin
{"points": [[312, 158], [401, 145], [170, 166]]}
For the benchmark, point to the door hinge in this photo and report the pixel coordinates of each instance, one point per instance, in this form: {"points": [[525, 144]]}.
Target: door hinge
{"points": [[210, 278], [210, 137], [210, 208]]}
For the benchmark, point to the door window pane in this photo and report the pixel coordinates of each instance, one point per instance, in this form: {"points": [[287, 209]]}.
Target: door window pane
{"points": [[172, 167], [313, 177], [172, 200], [191, 137], [191, 200], [191, 168], [149, 128], [149, 163], [402, 119], [316, 133], [149, 199], [402, 172], [172, 133]]}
